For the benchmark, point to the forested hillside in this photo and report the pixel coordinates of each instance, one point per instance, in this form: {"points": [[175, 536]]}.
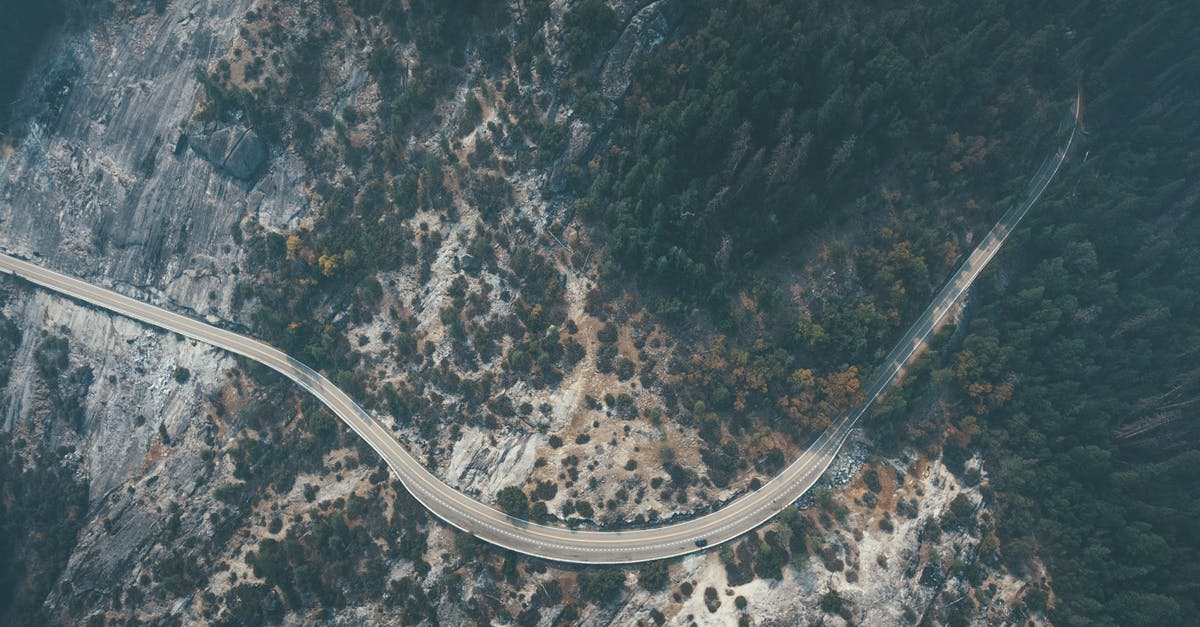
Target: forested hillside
{"points": [[766, 121], [1080, 377], [1097, 336]]}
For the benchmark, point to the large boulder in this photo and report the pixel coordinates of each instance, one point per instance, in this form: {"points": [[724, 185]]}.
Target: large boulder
{"points": [[236, 151], [646, 31]]}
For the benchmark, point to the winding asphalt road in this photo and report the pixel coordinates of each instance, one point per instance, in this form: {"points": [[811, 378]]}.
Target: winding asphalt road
{"points": [[558, 543]]}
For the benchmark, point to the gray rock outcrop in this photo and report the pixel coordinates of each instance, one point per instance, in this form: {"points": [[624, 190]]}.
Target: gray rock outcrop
{"points": [[237, 151], [645, 33], [483, 468], [99, 187]]}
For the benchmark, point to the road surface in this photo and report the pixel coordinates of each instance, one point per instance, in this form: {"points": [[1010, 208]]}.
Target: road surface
{"points": [[560, 543]]}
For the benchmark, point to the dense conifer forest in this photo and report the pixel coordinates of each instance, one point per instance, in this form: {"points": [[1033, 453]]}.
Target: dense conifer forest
{"points": [[1080, 375]]}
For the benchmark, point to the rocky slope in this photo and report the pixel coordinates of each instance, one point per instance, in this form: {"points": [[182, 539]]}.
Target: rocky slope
{"points": [[883, 574], [101, 186]]}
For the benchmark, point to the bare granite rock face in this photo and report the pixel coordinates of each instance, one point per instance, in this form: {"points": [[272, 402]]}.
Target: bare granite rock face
{"points": [[482, 468], [103, 191], [99, 187], [236, 151], [643, 34], [142, 442], [133, 392]]}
